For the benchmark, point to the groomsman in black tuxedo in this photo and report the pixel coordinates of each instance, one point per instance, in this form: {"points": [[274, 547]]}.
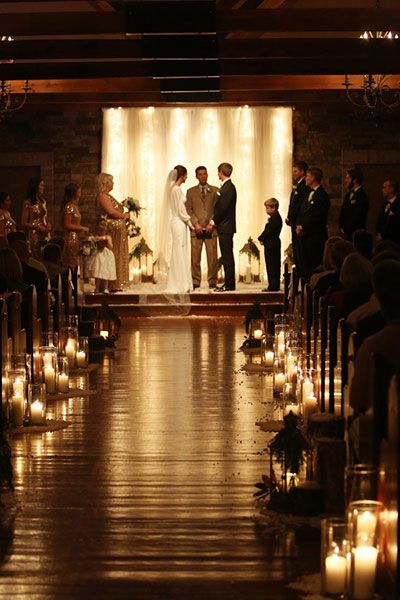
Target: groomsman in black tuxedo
{"points": [[388, 224], [353, 213], [224, 220], [299, 192], [312, 223]]}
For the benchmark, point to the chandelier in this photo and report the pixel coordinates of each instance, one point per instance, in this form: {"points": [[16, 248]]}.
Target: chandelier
{"points": [[9, 102], [375, 90]]}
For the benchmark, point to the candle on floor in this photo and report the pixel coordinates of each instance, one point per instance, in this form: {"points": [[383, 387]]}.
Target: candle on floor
{"points": [[135, 276], [366, 526], [281, 350], [295, 408], [307, 388], [310, 406], [335, 574], [365, 559], [17, 409], [281, 339], [258, 334], [47, 359], [247, 277], [292, 480], [50, 380], [80, 358], [269, 358], [70, 352], [37, 412], [279, 382], [63, 383]]}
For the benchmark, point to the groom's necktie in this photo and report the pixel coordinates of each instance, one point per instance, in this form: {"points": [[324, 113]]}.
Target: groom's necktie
{"points": [[203, 192]]}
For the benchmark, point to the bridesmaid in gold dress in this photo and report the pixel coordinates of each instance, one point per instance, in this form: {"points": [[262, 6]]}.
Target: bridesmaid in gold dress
{"points": [[34, 216], [113, 214], [72, 224], [7, 223]]}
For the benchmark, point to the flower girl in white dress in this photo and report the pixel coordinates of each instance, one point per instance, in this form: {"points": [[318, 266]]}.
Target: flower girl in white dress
{"points": [[102, 263]]}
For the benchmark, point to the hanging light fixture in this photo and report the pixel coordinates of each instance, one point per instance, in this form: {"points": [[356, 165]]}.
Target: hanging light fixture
{"points": [[375, 90], [11, 101]]}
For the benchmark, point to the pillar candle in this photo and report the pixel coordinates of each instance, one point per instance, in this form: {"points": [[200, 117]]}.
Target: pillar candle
{"points": [[50, 380], [269, 358], [63, 383], [279, 382], [335, 574], [281, 339], [70, 352], [258, 334], [47, 359], [247, 277], [80, 358], [18, 386], [281, 350], [104, 334], [309, 407], [366, 525], [365, 558], [36, 362], [135, 276], [37, 412], [17, 409], [307, 388]]}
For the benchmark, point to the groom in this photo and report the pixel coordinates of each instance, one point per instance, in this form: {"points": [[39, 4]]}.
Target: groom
{"points": [[224, 220]]}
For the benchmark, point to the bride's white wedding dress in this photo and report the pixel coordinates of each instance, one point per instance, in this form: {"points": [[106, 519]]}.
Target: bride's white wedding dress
{"points": [[179, 280]]}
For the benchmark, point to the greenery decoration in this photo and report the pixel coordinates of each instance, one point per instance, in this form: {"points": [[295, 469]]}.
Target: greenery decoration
{"points": [[250, 249], [141, 249], [132, 205], [88, 246], [290, 445]]}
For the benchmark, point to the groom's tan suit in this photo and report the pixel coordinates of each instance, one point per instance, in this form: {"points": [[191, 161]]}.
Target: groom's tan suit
{"points": [[200, 204]]}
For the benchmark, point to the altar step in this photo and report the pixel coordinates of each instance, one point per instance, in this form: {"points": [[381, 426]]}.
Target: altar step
{"points": [[196, 304]]}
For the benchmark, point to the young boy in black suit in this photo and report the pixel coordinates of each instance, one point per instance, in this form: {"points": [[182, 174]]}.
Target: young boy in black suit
{"points": [[272, 244]]}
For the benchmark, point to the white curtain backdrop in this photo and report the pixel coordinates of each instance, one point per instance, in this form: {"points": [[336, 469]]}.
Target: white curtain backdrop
{"points": [[141, 146]]}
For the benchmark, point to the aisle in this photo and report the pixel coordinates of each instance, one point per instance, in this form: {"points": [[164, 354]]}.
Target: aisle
{"points": [[148, 492]]}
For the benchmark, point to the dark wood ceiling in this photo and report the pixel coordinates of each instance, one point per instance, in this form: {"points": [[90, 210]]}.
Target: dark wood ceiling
{"points": [[195, 51]]}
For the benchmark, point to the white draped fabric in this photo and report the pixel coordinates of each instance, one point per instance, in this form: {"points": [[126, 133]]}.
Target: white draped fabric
{"points": [[142, 145]]}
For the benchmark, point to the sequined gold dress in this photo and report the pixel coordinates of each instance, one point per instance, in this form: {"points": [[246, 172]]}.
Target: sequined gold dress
{"points": [[37, 215], [71, 250], [7, 223], [116, 228]]}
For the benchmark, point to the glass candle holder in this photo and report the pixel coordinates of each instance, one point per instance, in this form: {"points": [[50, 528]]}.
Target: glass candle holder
{"points": [[364, 519], [267, 351], [82, 353], [279, 378], [63, 374], [50, 338], [70, 345], [49, 367], [289, 401], [282, 319], [361, 482], [24, 362], [334, 557], [17, 395], [36, 411]]}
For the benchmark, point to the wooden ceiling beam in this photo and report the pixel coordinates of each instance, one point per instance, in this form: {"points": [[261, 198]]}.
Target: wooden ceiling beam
{"points": [[313, 19]]}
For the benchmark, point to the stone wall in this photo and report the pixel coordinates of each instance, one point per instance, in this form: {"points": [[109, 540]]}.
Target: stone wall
{"points": [[326, 136], [73, 137]]}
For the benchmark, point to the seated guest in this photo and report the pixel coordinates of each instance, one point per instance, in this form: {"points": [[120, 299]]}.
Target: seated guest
{"points": [[386, 246], [338, 252], [11, 270], [30, 275], [32, 262], [52, 260], [326, 267], [7, 223], [355, 279], [363, 243], [386, 343], [3, 242]]}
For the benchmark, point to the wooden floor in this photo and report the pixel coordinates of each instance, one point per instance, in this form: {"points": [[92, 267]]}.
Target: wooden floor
{"points": [[148, 492]]}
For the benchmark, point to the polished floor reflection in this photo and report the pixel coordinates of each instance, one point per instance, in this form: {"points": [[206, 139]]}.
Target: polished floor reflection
{"points": [[148, 492]]}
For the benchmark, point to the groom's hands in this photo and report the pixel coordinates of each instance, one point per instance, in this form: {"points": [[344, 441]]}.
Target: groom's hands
{"points": [[209, 228], [198, 228]]}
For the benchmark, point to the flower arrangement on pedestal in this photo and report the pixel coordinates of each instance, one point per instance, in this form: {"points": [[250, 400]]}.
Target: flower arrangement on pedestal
{"points": [[133, 207]]}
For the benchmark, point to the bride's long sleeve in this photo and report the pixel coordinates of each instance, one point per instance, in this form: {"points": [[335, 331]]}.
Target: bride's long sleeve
{"points": [[178, 198]]}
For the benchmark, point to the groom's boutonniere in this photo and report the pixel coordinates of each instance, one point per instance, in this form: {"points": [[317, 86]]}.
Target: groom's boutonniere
{"points": [[218, 193], [208, 189]]}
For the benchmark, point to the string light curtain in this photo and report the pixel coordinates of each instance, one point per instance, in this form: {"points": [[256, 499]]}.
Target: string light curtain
{"points": [[141, 146]]}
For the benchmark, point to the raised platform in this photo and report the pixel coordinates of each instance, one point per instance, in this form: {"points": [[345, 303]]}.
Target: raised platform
{"points": [[145, 302]]}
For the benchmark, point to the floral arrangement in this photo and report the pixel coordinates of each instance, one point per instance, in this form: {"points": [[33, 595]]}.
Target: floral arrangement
{"points": [[132, 229], [132, 205], [88, 246]]}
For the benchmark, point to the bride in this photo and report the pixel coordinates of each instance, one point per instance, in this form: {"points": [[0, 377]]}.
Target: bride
{"points": [[174, 256]]}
